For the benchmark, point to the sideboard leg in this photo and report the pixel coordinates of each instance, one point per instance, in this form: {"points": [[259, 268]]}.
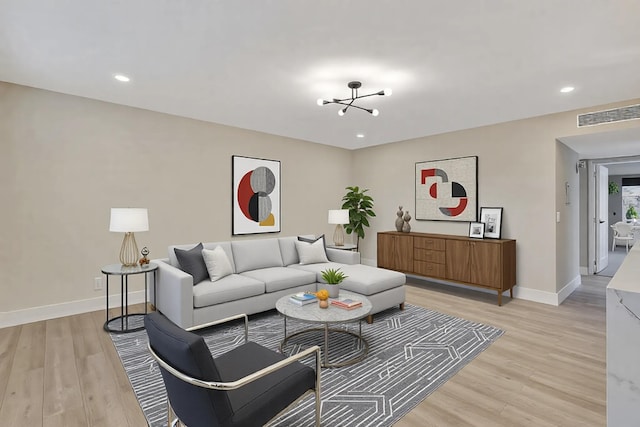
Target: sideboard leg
{"points": [[511, 292], [499, 298], [401, 306]]}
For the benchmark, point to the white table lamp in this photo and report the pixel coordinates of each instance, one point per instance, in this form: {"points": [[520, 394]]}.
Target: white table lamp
{"points": [[338, 217], [128, 221]]}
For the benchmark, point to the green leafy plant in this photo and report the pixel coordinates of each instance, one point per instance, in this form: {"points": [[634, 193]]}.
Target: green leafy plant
{"points": [[613, 188], [360, 207], [333, 276], [632, 213]]}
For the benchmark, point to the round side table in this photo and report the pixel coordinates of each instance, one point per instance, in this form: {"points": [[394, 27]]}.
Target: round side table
{"points": [[124, 273]]}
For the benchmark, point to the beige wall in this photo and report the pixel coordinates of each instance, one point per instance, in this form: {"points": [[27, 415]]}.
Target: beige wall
{"points": [[506, 178], [568, 205], [519, 168], [65, 161]]}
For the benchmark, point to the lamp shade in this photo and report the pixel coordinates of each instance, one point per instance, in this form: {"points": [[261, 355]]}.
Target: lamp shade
{"points": [[339, 216], [126, 220]]}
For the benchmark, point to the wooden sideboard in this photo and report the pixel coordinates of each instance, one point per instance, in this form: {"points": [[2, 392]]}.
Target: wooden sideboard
{"points": [[486, 263]]}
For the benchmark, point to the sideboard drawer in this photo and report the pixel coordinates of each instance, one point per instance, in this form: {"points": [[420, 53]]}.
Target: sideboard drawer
{"points": [[429, 269], [437, 257], [429, 243]]}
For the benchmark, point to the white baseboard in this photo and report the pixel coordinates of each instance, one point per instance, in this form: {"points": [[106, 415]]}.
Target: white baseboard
{"points": [[519, 292], [36, 314], [46, 312], [544, 297], [584, 271], [569, 288]]}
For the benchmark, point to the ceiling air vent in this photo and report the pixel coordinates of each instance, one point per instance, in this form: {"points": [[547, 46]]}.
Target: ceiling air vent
{"points": [[609, 116]]}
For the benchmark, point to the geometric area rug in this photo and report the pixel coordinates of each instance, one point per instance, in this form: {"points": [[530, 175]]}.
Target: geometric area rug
{"points": [[411, 353]]}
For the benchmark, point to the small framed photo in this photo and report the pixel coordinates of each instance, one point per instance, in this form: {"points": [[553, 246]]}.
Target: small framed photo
{"points": [[492, 218], [476, 230]]}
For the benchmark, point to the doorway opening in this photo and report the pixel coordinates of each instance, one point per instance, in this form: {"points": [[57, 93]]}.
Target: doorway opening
{"points": [[607, 207]]}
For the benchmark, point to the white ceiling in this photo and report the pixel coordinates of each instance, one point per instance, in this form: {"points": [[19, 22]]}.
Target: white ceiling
{"points": [[262, 64]]}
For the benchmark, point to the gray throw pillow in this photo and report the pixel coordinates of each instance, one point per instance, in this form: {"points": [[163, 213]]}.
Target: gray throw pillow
{"points": [[308, 240], [192, 262]]}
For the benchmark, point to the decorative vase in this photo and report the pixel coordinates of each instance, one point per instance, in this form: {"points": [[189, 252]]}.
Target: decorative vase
{"points": [[399, 220], [323, 303], [334, 290], [406, 227]]}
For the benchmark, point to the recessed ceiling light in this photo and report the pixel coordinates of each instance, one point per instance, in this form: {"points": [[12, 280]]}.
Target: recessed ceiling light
{"points": [[121, 78], [567, 89], [360, 135]]}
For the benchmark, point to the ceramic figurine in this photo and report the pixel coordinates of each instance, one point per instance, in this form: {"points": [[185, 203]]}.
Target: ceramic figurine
{"points": [[399, 220], [406, 227]]}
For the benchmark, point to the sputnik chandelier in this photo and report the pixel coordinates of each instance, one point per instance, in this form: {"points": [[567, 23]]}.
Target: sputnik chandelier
{"points": [[349, 102]]}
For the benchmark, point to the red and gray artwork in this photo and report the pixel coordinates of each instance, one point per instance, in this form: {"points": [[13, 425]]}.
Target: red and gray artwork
{"points": [[256, 195], [253, 195], [446, 189], [457, 191]]}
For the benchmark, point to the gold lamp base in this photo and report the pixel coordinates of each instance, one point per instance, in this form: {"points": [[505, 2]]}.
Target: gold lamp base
{"points": [[338, 236], [129, 251]]}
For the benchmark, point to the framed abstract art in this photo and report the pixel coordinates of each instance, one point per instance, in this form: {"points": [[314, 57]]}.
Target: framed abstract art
{"points": [[256, 195], [447, 190]]}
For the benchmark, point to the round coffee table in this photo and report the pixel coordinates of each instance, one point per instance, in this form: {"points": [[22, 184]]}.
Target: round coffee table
{"points": [[327, 317]]}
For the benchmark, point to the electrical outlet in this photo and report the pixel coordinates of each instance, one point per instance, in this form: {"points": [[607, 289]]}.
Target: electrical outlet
{"points": [[97, 284]]}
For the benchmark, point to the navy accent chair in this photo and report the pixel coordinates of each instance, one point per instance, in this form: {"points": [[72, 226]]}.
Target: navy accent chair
{"points": [[247, 386]]}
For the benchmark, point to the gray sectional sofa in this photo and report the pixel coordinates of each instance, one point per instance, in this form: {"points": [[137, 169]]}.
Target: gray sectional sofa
{"points": [[262, 271]]}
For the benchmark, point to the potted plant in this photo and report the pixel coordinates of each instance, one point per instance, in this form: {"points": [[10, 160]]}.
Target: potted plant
{"points": [[333, 277], [614, 188], [632, 213], [360, 207]]}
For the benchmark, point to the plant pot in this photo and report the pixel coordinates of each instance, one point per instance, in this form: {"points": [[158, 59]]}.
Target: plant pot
{"points": [[334, 290], [323, 303]]}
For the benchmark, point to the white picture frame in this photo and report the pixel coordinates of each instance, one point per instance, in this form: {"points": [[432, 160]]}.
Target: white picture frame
{"points": [[476, 230]]}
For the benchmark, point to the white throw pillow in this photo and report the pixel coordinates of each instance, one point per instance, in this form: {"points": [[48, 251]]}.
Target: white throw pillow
{"points": [[311, 253], [217, 263]]}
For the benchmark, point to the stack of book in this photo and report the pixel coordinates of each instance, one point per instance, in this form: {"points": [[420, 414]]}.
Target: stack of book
{"points": [[346, 303], [302, 298]]}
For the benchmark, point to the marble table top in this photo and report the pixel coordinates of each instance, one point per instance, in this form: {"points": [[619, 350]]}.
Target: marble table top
{"points": [[312, 313], [119, 269]]}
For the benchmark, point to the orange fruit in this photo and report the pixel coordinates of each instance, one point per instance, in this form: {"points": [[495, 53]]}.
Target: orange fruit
{"points": [[322, 294]]}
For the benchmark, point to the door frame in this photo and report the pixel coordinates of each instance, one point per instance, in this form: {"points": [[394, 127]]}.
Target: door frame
{"points": [[601, 233], [591, 203]]}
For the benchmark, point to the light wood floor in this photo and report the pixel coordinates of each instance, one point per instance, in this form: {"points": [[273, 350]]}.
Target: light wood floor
{"points": [[548, 369]]}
